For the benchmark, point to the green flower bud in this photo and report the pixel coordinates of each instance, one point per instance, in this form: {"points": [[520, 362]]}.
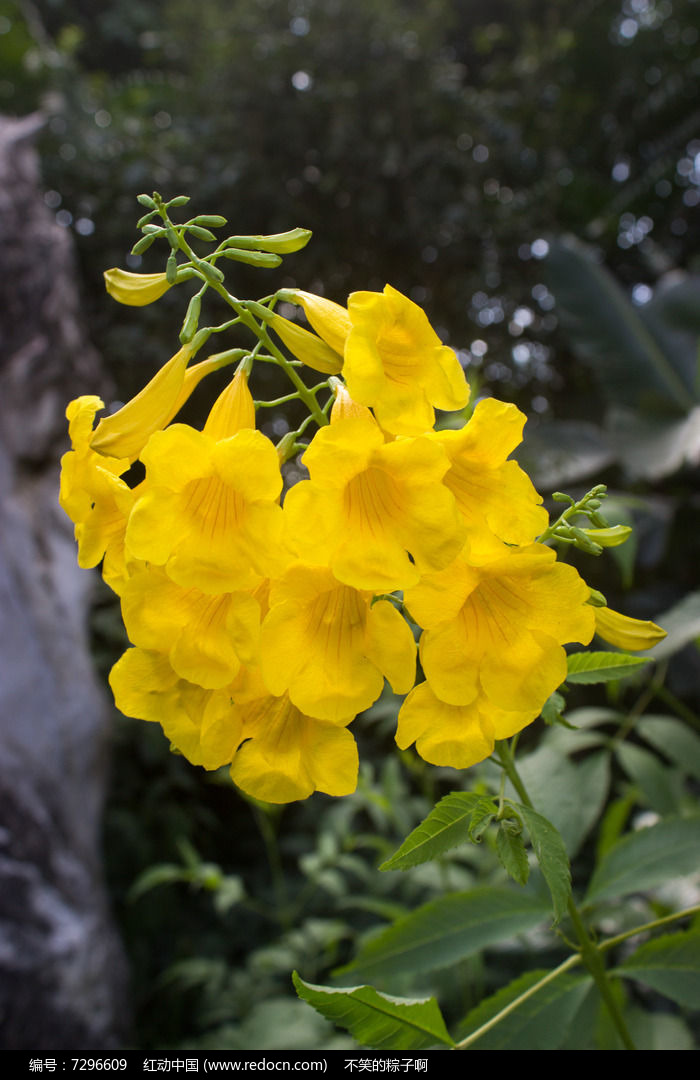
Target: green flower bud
{"points": [[189, 326], [279, 243], [201, 234], [253, 258]]}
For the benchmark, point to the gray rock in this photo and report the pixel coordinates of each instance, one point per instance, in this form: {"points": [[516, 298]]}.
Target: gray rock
{"points": [[62, 970]]}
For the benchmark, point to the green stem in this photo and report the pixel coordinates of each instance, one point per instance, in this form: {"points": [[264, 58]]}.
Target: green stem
{"points": [[566, 965], [570, 962], [665, 695], [609, 943], [590, 952]]}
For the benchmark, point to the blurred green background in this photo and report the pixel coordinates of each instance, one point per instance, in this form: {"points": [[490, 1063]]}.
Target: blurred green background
{"points": [[449, 148]]}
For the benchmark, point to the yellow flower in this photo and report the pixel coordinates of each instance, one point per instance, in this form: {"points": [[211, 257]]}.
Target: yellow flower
{"points": [[307, 347], [200, 723], [288, 755], [497, 629], [92, 494], [330, 647], [135, 290], [278, 753], [328, 319], [625, 632], [126, 432], [396, 364], [210, 513], [375, 512], [456, 735], [495, 497], [207, 638], [233, 410]]}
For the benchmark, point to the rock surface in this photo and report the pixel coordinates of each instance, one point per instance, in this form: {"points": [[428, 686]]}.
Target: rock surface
{"points": [[62, 972]]}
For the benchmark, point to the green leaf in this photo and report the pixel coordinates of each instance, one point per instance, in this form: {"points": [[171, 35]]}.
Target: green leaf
{"points": [[551, 856], [647, 858], [482, 816], [444, 931], [510, 849], [657, 1031], [670, 965], [553, 708], [541, 1022], [377, 1020], [682, 625], [162, 874], [653, 779], [674, 739], [445, 827], [559, 790], [602, 667], [608, 333]]}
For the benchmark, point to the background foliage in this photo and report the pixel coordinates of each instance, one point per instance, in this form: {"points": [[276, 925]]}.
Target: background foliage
{"points": [[447, 148]]}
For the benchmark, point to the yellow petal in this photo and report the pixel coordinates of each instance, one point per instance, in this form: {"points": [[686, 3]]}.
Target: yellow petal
{"points": [[307, 347], [233, 410], [135, 290], [126, 432], [625, 632], [288, 755], [328, 319], [454, 735]]}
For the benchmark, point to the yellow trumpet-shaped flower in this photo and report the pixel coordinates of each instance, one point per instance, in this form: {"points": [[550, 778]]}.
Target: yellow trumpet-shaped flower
{"points": [[497, 629], [233, 410], [396, 364], [278, 753], [456, 735], [307, 347], [210, 514], [626, 633], [92, 494], [207, 638], [495, 497], [200, 723], [288, 755], [135, 290], [330, 648], [126, 432], [328, 319], [377, 513]]}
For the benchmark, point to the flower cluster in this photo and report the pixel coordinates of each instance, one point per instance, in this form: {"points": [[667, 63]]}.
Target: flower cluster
{"points": [[261, 627]]}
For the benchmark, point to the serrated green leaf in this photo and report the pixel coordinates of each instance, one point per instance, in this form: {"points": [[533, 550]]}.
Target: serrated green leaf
{"points": [[510, 849], [647, 858], [553, 708], [601, 667], [555, 787], [551, 856], [541, 1022], [444, 931], [445, 827], [378, 1020], [482, 816], [674, 739], [670, 965], [653, 779]]}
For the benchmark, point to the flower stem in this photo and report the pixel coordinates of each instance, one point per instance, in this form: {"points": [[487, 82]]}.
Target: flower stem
{"points": [[571, 961], [589, 951]]}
